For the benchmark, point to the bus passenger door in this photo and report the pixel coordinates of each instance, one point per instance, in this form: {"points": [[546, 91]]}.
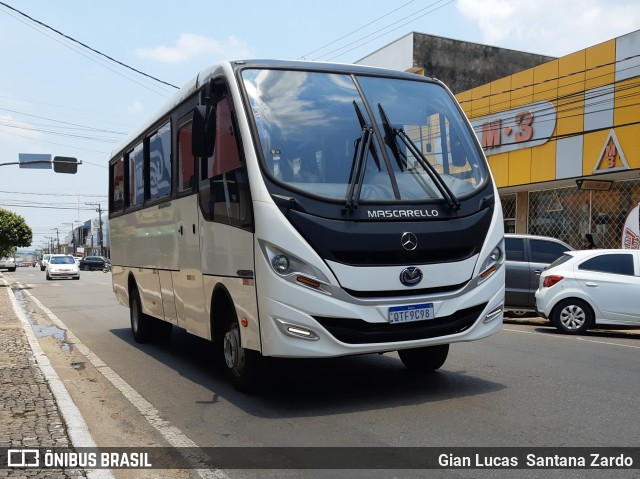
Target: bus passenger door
{"points": [[187, 280]]}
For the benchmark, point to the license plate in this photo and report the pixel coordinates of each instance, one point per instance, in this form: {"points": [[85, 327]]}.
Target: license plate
{"points": [[412, 312]]}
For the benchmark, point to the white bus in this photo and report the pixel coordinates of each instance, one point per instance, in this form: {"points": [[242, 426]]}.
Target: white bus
{"points": [[299, 209]]}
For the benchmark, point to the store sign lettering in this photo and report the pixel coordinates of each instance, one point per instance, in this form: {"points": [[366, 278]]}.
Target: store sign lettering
{"points": [[511, 130]]}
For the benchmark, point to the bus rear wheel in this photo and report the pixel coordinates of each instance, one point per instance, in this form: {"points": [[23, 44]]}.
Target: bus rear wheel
{"points": [[243, 365], [146, 328], [425, 359]]}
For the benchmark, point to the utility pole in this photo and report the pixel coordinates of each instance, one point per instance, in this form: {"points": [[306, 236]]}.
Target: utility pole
{"points": [[57, 240], [99, 210]]}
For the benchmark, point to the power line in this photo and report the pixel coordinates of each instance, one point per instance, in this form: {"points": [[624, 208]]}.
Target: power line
{"points": [[85, 45], [356, 30], [384, 28]]}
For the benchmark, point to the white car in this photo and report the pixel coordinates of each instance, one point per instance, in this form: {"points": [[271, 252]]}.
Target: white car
{"points": [[62, 266], [586, 288], [44, 262], [8, 263]]}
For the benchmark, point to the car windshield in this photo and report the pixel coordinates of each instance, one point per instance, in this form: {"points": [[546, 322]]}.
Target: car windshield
{"points": [[62, 260], [312, 124]]}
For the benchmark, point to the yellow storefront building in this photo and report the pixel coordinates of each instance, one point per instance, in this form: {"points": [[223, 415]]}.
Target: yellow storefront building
{"points": [[563, 142]]}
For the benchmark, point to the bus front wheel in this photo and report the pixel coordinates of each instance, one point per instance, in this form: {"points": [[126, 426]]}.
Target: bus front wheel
{"points": [[243, 365], [425, 359]]}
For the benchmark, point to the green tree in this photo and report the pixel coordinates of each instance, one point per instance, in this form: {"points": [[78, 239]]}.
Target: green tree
{"points": [[14, 232]]}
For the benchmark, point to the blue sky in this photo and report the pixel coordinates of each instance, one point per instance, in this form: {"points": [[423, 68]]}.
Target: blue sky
{"points": [[60, 98]]}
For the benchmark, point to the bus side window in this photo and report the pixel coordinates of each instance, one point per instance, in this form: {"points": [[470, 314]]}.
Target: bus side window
{"points": [[224, 189], [186, 161], [136, 175], [117, 186], [160, 163]]}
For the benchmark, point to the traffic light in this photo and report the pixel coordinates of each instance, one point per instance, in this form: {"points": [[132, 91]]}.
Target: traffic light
{"points": [[65, 164]]}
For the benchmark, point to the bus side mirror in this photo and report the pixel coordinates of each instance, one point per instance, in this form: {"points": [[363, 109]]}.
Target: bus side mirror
{"points": [[204, 131]]}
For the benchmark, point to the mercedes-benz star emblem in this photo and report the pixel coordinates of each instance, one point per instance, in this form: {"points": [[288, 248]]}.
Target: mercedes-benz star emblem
{"points": [[409, 241], [411, 276]]}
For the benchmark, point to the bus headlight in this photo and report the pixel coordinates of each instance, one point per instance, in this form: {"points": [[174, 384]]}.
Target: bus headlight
{"points": [[294, 269], [492, 262]]}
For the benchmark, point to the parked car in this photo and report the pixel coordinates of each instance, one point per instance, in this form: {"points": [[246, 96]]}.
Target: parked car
{"points": [[589, 287], [89, 263], [62, 266], [8, 263], [44, 262], [526, 257], [77, 259]]}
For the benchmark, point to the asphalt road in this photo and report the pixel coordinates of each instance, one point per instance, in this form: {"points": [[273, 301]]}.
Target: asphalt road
{"points": [[527, 386]]}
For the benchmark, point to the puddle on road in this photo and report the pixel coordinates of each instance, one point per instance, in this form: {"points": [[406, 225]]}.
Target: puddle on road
{"points": [[40, 330]]}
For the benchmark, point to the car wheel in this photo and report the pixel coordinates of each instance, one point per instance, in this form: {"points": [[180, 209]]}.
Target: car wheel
{"points": [[517, 313], [146, 328], [243, 365], [572, 316], [425, 359], [47, 276]]}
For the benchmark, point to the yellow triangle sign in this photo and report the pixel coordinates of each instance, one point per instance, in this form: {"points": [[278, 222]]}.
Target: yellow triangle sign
{"points": [[611, 157]]}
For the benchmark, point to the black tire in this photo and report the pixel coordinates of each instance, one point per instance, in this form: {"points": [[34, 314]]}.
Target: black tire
{"points": [[425, 359], [47, 276], [42, 268], [145, 328], [244, 366], [12, 270], [572, 316]]}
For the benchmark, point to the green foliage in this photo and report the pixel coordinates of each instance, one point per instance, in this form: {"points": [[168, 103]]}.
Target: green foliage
{"points": [[14, 232]]}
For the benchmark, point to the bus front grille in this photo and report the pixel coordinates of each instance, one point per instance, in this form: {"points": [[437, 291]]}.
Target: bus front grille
{"points": [[357, 331]]}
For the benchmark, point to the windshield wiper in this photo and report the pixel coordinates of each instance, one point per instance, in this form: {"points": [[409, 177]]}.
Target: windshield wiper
{"points": [[363, 124], [358, 168], [391, 133]]}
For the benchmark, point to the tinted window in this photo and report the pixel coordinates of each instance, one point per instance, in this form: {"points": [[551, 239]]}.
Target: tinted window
{"points": [[616, 263], [117, 186], [186, 161], [515, 249], [562, 259], [224, 186], [136, 176], [546, 251], [160, 163]]}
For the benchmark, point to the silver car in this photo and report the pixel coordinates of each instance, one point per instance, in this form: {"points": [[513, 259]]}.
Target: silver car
{"points": [[526, 257]]}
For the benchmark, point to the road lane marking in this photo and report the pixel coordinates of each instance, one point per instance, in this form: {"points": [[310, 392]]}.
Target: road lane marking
{"points": [[174, 436], [575, 338]]}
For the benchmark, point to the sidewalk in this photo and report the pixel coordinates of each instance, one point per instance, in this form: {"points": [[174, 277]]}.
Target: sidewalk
{"points": [[29, 415]]}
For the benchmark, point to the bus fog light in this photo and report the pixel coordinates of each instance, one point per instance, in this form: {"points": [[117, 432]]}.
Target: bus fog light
{"points": [[296, 331], [280, 264]]}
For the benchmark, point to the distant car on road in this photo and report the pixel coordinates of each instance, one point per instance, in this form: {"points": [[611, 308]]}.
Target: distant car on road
{"points": [[585, 288], [62, 266], [89, 263], [526, 257], [8, 263], [44, 262]]}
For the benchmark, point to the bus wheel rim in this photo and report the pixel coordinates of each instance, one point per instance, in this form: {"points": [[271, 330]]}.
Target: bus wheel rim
{"points": [[233, 352]]}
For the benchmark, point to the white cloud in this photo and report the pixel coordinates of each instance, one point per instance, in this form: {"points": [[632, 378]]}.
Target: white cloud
{"points": [[136, 108], [551, 27], [190, 45]]}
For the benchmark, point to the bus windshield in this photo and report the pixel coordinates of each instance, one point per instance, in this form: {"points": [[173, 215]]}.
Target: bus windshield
{"points": [[311, 125]]}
